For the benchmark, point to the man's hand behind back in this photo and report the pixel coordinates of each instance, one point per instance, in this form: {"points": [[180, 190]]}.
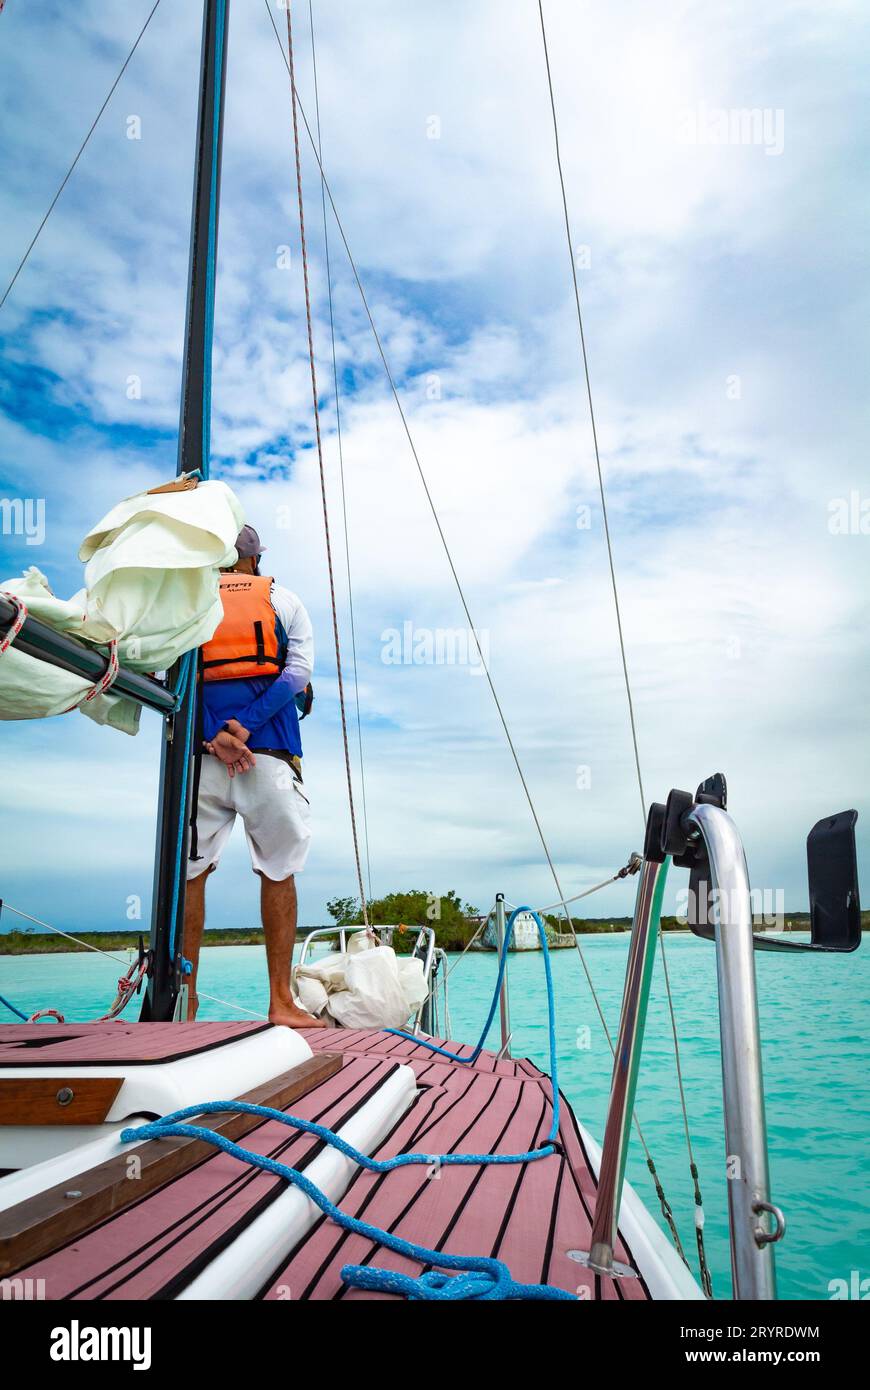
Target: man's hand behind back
{"points": [[232, 752]]}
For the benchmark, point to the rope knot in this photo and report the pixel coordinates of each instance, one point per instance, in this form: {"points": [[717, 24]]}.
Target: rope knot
{"points": [[485, 1281]]}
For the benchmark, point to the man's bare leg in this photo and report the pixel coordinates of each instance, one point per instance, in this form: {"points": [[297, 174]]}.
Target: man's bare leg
{"points": [[278, 906], [194, 924]]}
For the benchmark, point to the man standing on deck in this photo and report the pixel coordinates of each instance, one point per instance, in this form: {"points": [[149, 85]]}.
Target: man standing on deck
{"points": [[258, 662]]}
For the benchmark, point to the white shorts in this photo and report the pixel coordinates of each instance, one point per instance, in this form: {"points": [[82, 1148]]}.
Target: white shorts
{"points": [[272, 803]]}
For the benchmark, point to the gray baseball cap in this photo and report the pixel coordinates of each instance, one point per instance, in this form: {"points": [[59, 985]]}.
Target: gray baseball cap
{"points": [[248, 544]]}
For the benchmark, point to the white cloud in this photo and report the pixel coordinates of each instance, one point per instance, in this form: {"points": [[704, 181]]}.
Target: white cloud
{"points": [[705, 264]]}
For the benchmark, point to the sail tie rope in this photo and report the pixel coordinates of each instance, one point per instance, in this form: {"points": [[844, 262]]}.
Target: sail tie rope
{"points": [[110, 675], [17, 622], [477, 1277], [106, 681]]}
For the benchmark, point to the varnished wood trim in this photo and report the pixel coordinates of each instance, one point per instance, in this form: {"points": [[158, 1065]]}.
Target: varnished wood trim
{"points": [[50, 1219], [53, 1100]]}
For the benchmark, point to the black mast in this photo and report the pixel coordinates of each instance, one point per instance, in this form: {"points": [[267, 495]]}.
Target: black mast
{"points": [[176, 773]]}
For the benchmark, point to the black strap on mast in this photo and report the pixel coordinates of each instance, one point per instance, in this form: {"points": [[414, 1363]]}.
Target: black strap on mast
{"points": [[179, 744]]}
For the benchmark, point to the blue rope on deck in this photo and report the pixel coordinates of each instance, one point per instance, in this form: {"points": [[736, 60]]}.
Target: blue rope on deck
{"points": [[481, 1042], [12, 1009], [478, 1277]]}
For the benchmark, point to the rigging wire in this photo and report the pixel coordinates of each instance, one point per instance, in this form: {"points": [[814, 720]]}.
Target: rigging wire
{"points": [[592, 419], [705, 1273], [665, 1205], [362, 772], [444, 542], [7, 907], [310, 328], [631, 867], [109, 955], [81, 150]]}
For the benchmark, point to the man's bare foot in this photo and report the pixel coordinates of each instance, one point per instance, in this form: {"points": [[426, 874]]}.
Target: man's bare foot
{"points": [[289, 1016]]}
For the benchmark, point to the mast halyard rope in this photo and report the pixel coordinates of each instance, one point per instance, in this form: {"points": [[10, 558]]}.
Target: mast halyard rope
{"points": [[310, 329], [705, 1273], [362, 772], [81, 150], [429, 498]]}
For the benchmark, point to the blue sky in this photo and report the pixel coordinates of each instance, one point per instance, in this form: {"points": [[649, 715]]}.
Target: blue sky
{"points": [[725, 296]]}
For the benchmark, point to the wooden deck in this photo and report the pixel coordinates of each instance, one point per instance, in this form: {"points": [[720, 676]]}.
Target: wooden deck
{"points": [[528, 1215], [113, 1043]]}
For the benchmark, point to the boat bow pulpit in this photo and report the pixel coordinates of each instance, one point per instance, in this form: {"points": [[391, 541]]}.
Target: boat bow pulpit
{"points": [[696, 833]]}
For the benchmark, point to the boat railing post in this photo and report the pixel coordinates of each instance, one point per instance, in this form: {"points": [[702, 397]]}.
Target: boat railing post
{"points": [[626, 1064], [504, 999], [752, 1262]]}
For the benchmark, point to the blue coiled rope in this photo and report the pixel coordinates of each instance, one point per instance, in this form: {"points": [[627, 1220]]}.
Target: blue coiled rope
{"points": [[478, 1277]]}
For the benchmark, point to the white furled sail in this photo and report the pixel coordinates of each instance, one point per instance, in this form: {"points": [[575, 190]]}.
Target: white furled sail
{"points": [[152, 594], [152, 570]]}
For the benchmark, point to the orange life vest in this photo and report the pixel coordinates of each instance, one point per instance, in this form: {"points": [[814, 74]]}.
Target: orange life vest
{"points": [[247, 643]]}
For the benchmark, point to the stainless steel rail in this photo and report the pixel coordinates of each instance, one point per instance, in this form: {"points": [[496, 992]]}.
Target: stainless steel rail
{"points": [[504, 998], [752, 1262], [749, 1205], [39, 640]]}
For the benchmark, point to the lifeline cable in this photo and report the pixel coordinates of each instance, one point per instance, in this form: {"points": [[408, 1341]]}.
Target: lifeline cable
{"points": [[97, 950]]}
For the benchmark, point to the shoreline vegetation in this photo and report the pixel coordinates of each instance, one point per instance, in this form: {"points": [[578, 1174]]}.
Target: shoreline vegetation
{"points": [[451, 937]]}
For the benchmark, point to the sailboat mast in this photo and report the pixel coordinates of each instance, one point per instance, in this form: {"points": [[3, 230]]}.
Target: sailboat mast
{"points": [[177, 762]]}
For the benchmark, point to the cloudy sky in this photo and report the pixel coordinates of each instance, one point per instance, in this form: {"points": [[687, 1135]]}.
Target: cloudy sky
{"points": [[722, 267]]}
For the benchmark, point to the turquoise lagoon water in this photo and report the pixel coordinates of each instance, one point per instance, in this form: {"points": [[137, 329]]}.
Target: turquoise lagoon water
{"points": [[813, 1018]]}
